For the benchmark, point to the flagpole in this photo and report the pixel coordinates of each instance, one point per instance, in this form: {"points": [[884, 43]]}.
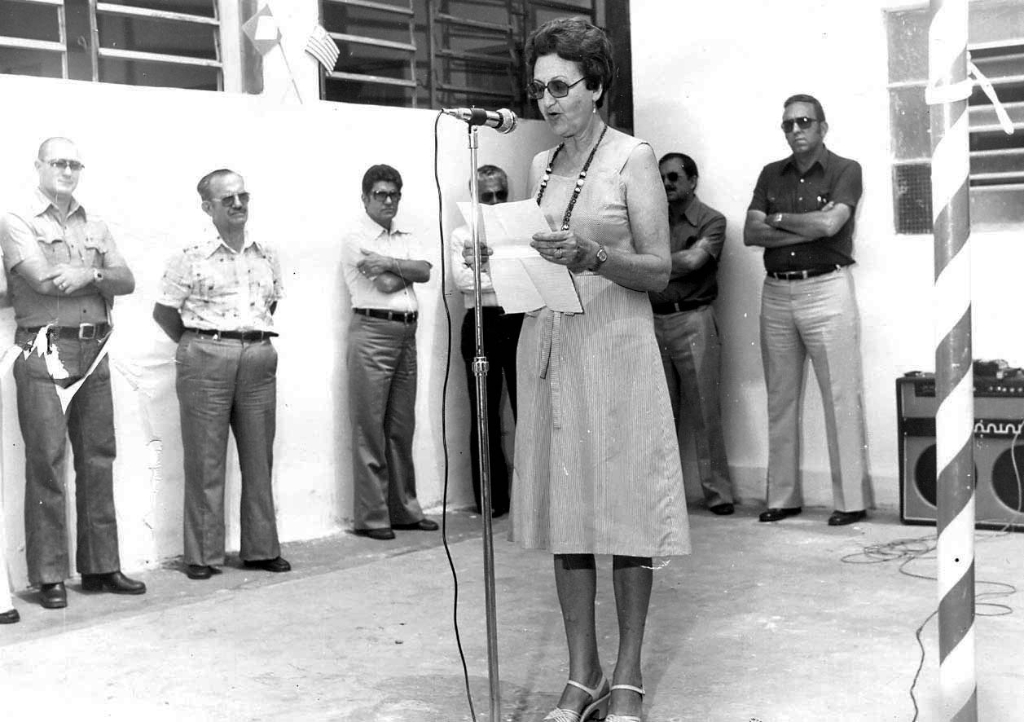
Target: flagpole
{"points": [[291, 75]]}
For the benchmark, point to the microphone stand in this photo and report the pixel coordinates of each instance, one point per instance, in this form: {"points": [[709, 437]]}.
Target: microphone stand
{"points": [[480, 368]]}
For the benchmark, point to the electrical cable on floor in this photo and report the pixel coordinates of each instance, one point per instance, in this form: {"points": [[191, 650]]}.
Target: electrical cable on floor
{"points": [[909, 550], [444, 427]]}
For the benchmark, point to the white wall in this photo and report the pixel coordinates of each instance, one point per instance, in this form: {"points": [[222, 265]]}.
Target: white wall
{"points": [[711, 84], [144, 151]]}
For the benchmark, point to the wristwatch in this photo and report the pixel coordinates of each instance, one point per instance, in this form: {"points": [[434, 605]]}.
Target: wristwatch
{"points": [[777, 219], [600, 258], [97, 275]]}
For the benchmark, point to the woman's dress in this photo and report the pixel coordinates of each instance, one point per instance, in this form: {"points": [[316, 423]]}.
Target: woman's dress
{"points": [[597, 467]]}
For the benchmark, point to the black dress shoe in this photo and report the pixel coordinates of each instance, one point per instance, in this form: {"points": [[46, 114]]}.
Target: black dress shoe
{"points": [[200, 571], [114, 582], [723, 509], [779, 514], [277, 564], [379, 534], [10, 617], [421, 525], [842, 518], [53, 596]]}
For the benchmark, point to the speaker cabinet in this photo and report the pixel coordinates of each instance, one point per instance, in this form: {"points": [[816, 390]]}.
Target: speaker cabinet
{"points": [[998, 452]]}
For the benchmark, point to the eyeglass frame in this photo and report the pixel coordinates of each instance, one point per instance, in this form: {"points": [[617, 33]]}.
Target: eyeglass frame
{"points": [[533, 94], [381, 196], [803, 123], [500, 195], [63, 164], [674, 176], [229, 200]]}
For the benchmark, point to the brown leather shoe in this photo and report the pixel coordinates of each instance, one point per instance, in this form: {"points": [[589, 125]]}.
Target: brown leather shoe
{"points": [[384, 534], [10, 617], [200, 571], [723, 509], [842, 518], [277, 564], [114, 582], [421, 525], [779, 514], [53, 596]]}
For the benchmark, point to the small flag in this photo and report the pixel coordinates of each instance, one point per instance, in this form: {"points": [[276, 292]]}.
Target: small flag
{"points": [[262, 31], [322, 47]]}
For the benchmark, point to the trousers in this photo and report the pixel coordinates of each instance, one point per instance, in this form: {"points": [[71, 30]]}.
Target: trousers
{"points": [[691, 354], [501, 337], [45, 429], [382, 404], [227, 384], [816, 318]]}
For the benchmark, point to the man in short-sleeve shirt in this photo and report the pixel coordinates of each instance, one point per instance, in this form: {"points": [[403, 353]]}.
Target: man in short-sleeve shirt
{"points": [[381, 262], [684, 323], [63, 271], [802, 214], [217, 302]]}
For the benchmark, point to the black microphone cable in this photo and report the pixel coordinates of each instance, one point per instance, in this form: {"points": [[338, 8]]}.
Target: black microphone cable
{"points": [[444, 425]]}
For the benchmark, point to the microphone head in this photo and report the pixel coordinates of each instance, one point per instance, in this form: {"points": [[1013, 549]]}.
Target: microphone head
{"points": [[508, 120]]}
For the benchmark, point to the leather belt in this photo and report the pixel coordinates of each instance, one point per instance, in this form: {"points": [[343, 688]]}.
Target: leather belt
{"points": [[409, 317], [678, 306], [802, 275], [234, 335], [81, 332]]}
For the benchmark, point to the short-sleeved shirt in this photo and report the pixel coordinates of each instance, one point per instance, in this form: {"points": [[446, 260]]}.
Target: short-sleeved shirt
{"points": [[781, 188], [219, 289], [700, 223], [369, 235], [463, 275], [36, 231]]}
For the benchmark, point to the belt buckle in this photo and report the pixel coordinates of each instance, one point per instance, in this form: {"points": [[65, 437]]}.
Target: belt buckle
{"points": [[86, 331]]}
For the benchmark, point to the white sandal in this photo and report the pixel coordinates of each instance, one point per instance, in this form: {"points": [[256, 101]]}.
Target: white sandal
{"points": [[598, 705], [624, 717]]}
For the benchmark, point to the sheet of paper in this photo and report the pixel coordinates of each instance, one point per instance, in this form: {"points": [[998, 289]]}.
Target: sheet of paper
{"points": [[523, 281]]}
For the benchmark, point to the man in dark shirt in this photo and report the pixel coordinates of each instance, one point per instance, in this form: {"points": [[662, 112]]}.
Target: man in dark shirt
{"points": [[684, 323], [802, 214]]}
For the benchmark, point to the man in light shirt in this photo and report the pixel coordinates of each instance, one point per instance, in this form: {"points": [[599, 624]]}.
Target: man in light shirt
{"points": [[217, 301], [381, 262]]}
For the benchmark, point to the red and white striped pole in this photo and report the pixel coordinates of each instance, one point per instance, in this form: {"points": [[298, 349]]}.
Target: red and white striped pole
{"points": [[947, 93]]}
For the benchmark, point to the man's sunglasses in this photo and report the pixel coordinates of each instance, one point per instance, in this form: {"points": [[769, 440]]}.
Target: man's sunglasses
{"points": [[672, 177], [381, 196], [63, 164], [491, 196], [229, 201], [557, 88], [803, 123]]}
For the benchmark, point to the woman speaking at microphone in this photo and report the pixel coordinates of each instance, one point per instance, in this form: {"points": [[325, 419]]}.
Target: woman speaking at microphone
{"points": [[596, 459]]}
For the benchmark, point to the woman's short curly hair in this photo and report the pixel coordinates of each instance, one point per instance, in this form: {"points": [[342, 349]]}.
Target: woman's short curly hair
{"points": [[578, 40]]}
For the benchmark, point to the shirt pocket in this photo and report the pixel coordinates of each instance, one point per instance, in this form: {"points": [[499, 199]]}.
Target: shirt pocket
{"points": [[215, 278], [94, 249]]}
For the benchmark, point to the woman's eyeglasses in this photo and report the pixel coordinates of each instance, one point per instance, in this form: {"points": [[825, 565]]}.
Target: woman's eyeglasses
{"points": [[492, 196], [557, 88], [381, 196], [63, 164], [803, 123], [229, 201]]}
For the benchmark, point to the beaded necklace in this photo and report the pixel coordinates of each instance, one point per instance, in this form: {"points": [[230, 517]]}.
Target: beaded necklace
{"points": [[579, 181]]}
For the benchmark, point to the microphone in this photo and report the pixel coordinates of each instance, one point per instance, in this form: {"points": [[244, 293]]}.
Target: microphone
{"points": [[503, 120]]}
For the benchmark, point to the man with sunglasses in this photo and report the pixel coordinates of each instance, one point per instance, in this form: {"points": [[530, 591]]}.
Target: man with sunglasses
{"points": [[381, 261], [64, 271], [802, 214], [217, 302], [684, 324], [500, 336]]}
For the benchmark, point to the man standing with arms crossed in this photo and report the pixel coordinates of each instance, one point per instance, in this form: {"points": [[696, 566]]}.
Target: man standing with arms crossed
{"points": [[217, 303], [64, 271], [802, 214], [684, 323], [381, 262]]}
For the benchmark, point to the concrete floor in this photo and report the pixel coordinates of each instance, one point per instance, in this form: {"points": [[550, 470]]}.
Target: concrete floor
{"points": [[764, 622]]}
